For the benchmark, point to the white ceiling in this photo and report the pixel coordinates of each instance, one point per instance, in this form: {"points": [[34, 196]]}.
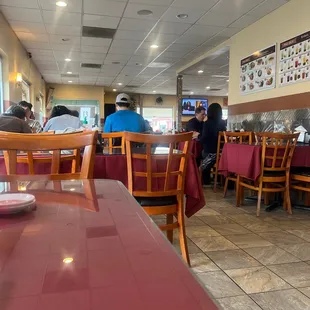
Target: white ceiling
{"points": [[41, 26]]}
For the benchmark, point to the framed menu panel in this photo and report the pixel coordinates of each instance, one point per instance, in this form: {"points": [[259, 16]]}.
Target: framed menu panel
{"points": [[258, 71], [294, 57]]}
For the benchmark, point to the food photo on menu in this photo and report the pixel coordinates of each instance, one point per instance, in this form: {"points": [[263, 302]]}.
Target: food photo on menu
{"points": [[258, 71], [294, 64]]}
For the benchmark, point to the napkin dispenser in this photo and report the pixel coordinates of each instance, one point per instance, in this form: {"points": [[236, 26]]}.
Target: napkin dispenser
{"points": [[307, 138]]}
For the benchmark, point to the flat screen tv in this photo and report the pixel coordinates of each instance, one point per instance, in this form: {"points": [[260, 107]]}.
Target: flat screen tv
{"points": [[190, 104]]}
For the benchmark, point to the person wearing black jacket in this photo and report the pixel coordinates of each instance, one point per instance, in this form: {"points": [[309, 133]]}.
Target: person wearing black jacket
{"points": [[209, 138], [195, 124]]}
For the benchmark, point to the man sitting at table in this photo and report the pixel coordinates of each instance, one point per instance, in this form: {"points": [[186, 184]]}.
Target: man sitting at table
{"points": [[196, 124], [13, 120], [124, 119]]}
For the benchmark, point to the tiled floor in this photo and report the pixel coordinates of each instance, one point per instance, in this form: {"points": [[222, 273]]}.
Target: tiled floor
{"points": [[250, 263]]}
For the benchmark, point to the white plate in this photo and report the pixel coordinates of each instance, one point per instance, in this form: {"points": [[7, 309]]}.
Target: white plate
{"points": [[12, 203]]}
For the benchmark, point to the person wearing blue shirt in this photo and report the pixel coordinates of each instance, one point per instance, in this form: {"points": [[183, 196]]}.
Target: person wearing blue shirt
{"points": [[124, 119]]}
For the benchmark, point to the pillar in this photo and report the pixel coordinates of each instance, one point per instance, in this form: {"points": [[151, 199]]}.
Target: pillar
{"points": [[179, 105]]}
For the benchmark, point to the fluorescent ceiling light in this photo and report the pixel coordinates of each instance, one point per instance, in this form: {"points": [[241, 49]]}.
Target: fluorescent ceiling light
{"points": [[120, 84], [69, 72], [114, 89], [208, 87], [154, 46], [67, 59], [191, 93], [220, 76], [61, 4], [69, 81], [200, 71]]}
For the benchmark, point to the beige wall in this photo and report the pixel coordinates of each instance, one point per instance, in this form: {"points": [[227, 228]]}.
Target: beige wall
{"points": [[286, 22], [168, 101], [15, 59], [79, 92]]}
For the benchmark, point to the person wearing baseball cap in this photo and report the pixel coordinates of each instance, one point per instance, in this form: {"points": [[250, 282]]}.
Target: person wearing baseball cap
{"points": [[124, 119]]}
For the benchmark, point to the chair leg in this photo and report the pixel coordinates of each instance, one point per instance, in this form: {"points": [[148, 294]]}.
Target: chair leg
{"points": [[241, 195], [182, 234], [215, 181], [238, 188], [225, 187], [170, 232], [259, 198]]}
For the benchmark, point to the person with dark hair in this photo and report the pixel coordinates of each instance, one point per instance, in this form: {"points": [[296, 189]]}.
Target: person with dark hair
{"points": [[195, 124], [124, 119], [75, 113], [61, 119], [209, 138], [13, 120], [33, 124]]}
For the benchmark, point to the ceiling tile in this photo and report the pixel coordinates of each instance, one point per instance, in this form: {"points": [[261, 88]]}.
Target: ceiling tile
{"points": [[204, 31], [193, 15], [130, 35], [244, 21], [37, 37], [21, 14], [96, 42], [62, 55], [135, 24], [152, 2], [27, 27], [161, 38], [62, 18], [38, 52], [42, 59], [171, 28], [57, 39], [48, 66], [116, 57], [74, 6], [191, 39], [63, 30], [133, 8], [37, 45], [112, 62], [200, 4], [66, 47], [93, 56], [30, 4], [267, 7], [100, 21], [104, 7], [229, 32], [95, 49], [125, 44]]}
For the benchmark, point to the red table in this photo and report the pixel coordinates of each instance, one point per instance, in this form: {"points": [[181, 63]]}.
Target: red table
{"points": [[114, 167], [245, 159], [119, 258], [195, 148]]}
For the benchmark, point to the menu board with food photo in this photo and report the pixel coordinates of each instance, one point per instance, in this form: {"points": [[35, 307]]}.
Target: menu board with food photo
{"points": [[258, 71], [295, 60]]}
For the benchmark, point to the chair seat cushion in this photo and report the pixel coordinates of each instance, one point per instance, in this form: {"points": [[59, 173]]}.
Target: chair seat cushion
{"points": [[157, 201]]}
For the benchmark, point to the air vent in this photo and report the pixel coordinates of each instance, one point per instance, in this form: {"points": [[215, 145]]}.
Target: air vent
{"points": [[91, 66], [96, 32], [214, 89], [70, 76], [186, 90], [132, 86]]}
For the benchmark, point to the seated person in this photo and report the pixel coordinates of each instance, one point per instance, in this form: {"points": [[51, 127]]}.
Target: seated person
{"points": [[61, 119], [33, 124], [124, 119], [13, 120], [195, 124], [209, 138]]}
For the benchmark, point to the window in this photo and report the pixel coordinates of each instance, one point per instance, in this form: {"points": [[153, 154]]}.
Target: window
{"points": [[225, 113], [25, 91], [1, 88], [160, 119]]}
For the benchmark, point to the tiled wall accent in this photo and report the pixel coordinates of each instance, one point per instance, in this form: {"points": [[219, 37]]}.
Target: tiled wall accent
{"points": [[276, 121]]}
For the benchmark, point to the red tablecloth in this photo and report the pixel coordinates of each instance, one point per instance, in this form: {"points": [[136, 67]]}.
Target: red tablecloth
{"points": [[195, 148], [246, 159], [114, 167]]}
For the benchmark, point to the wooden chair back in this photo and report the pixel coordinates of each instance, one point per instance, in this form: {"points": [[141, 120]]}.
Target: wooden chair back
{"points": [[277, 150], [175, 167], [115, 141], [238, 137], [31, 143]]}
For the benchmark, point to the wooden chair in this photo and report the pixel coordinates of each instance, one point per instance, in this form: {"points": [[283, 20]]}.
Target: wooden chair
{"points": [[168, 199], [214, 170], [236, 138], [111, 138], [277, 153], [300, 181], [30, 143]]}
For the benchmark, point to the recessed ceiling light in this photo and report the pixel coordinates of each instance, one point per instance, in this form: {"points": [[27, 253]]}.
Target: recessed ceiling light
{"points": [[208, 87], [61, 4], [191, 93], [154, 91], [65, 39], [68, 260], [200, 71], [114, 89], [69, 72], [120, 84], [145, 13], [227, 81], [138, 64], [182, 16], [69, 81], [154, 46], [115, 62], [67, 59]]}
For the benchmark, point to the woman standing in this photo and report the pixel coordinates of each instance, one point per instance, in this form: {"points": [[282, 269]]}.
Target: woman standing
{"points": [[211, 128]]}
